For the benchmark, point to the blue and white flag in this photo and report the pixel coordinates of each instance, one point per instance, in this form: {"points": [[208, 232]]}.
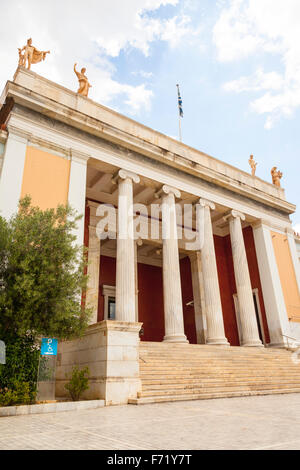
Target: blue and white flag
{"points": [[179, 102]]}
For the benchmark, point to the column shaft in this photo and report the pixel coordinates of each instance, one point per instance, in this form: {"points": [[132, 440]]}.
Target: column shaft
{"points": [[125, 276], [250, 335], [174, 326], [213, 306]]}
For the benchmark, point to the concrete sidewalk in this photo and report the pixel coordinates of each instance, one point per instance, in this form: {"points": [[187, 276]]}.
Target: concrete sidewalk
{"points": [[262, 422]]}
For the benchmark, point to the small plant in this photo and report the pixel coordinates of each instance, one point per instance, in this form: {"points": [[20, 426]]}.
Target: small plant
{"points": [[78, 382]]}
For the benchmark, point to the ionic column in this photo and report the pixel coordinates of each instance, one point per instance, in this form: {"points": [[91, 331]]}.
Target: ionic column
{"points": [[92, 292], [250, 335], [125, 277], [213, 306], [174, 326]]}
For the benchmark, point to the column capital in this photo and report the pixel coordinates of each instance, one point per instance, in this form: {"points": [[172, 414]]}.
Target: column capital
{"points": [[233, 214], [260, 223], [123, 174], [206, 203], [165, 190]]}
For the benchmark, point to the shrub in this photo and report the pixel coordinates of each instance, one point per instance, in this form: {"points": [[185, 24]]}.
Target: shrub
{"points": [[21, 393], [78, 383], [18, 377]]}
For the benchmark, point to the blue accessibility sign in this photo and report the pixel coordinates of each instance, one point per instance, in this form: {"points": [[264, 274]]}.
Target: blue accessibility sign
{"points": [[49, 347]]}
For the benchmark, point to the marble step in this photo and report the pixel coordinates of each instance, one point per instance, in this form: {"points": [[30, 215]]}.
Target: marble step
{"points": [[219, 369], [208, 349], [182, 384], [220, 388], [208, 396], [178, 372], [167, 381]]}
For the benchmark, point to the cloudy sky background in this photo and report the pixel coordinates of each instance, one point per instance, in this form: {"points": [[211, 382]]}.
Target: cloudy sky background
{"points": [[237, 63]]}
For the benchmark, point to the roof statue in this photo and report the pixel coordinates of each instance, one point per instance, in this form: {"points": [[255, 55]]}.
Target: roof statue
{"points": [[84, 85], [253, 165], [276, 176], [31, 55]]}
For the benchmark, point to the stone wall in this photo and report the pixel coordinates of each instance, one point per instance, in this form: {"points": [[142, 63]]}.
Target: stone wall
{"points": [[111, 351]]}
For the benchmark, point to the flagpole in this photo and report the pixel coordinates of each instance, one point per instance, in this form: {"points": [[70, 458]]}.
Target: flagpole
{"points": [[180, 112], [180, 133]]}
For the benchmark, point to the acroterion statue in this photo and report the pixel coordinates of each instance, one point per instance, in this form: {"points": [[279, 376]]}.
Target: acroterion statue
{"points": [[31, 55], [84, 85], [276, 176], [253, 165], [21, 58]]}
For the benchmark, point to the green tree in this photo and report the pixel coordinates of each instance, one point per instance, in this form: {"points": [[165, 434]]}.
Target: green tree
{"points": [[42, 276], [42, 273]]}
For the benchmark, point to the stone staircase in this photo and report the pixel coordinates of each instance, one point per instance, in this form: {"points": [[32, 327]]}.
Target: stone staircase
{"points": [[173, 372]]}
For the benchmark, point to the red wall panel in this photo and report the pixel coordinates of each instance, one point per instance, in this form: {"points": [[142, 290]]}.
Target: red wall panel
{"points": [[253, 271], [187, 296], [226, 290], [151, 309]]}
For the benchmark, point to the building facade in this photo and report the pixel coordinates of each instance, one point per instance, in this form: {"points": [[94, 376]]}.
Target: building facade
{"points": [[182, 245]]}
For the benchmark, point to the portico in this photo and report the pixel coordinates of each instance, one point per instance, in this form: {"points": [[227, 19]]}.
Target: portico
{"points": [[164, 251]]}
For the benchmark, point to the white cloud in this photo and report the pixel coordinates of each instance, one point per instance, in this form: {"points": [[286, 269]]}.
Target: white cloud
{"points": [[257, 82], [143, 74], [92, 34], [248, 27]]}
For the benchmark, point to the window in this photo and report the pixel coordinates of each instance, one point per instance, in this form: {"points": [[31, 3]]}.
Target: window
{"points": [[111, 308], [109, 294]]}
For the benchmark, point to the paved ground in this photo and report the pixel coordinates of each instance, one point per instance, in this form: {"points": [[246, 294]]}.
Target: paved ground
{"points": [[263, 422]]}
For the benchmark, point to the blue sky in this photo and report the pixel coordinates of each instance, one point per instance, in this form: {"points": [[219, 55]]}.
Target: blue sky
{"points": [[237, 63]]}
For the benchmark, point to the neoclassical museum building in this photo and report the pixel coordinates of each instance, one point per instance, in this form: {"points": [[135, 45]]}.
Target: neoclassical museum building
{"points": [[193, 265]]}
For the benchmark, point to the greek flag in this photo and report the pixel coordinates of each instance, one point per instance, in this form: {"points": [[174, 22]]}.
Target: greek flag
{"points": [[179, 102]]}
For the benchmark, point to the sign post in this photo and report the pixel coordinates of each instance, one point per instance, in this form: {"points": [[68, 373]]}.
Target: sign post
{"points": [[2, 352], [46, 372]]}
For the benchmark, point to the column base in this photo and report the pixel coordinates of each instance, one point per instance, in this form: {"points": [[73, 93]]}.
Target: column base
{"points": [[175, 339], [217, 342]]}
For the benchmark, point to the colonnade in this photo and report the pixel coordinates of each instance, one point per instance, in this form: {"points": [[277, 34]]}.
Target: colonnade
{"points": [[173, 309]]}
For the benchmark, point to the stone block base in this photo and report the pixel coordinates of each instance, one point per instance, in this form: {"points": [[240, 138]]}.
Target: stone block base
{"points": [[110, 350]]}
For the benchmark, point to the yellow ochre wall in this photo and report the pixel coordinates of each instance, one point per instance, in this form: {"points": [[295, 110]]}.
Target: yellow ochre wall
{"points": [[287, 275], [45, 178]]}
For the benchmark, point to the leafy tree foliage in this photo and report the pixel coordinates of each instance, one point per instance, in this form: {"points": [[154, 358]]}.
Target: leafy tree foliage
{"points": [[41, 274]]}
